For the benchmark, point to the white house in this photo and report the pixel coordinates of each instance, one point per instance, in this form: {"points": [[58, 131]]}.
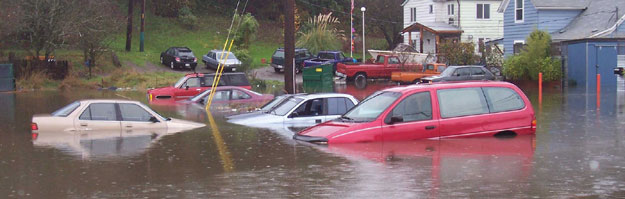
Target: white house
{"points": [[439, 20]]}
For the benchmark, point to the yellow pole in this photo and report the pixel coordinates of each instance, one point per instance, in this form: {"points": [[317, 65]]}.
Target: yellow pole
{"points": [[218, 76], [226, 160], [215, 82]]}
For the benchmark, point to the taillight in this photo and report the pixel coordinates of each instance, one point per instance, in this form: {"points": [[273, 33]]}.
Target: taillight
{"points": [[177, 59], [195, 59], [33, 126], [35, 136], [534, 124]]}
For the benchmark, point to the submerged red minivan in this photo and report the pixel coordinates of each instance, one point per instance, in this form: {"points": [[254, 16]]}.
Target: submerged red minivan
{"points": [[431, 111]]}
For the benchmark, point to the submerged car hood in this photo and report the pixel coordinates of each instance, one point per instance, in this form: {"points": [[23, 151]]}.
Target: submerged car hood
{"points": [[162, 91], [256, 120], [330, 129], [182, 125]]}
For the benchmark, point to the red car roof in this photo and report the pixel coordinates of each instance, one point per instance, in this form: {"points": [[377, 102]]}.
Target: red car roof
{"points": [[443, 85]]}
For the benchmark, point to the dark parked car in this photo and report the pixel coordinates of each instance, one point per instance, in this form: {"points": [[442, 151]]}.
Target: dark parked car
{"points": [[230, 64], [328, 57], [179, 57], [461, 73], [301, 54]]}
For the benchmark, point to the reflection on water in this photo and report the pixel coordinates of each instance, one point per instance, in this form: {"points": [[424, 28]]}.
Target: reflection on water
{"points": [[577, 152]]}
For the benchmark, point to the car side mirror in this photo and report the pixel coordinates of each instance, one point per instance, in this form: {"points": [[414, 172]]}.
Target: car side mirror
{"points": [[153, 119], [294, 114], [186, 88], [396, 119]]}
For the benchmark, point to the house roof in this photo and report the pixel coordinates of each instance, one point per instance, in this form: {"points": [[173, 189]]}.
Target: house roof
{"points": [[551, 4], [599, 20], [434, 27]]}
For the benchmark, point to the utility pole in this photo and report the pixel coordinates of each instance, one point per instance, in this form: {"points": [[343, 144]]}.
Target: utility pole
{"points": [[129, 28], [289, 47], [142, 35]]}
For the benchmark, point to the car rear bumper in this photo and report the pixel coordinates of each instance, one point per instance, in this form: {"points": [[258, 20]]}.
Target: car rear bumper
{"points": [[185, 65], [278, 66]]}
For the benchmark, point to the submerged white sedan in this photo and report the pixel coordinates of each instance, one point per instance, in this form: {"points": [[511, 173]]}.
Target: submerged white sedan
{"points": [[300, 110], [108, 115]]}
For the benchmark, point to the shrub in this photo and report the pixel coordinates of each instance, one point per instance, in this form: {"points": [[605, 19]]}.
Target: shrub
{"points": [[320, 34], [246, 32], [458, 53], [534, 58], [244, 56], [186, 18]]}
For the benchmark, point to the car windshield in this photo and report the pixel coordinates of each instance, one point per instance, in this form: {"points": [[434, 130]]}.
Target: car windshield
{"points": [[230, 56], [278, 53], [272, 104], [286, 106], [156, 113], [179, 83], [372, 107], [199, 96], [447, 72], [65, 111]]}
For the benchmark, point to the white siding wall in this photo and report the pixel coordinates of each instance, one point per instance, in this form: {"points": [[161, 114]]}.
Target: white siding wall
{"points": [[423, 15], [480, 28]]}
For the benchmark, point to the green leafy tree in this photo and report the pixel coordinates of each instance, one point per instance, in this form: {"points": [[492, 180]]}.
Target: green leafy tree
{"points": [[534, 58], [246, 32], [320, 34]]}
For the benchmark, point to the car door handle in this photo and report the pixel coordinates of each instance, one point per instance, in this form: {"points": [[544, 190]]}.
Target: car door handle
{"points": [[129, 126], [318, 121], [83, 124], [430, 127]]}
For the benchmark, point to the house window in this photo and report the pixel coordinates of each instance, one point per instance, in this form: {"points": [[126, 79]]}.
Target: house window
{"points": [[483, 11], [450, 9], [518, 46], [431, 9], [518, 11], [413, 14]]}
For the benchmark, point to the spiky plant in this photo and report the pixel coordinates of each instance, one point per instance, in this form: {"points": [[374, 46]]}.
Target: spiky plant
{"points": [[320, 34]]}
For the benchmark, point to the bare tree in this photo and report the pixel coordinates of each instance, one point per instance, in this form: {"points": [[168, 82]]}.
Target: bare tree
{"points": [[97, 22], [386, 17], [44, 26]]}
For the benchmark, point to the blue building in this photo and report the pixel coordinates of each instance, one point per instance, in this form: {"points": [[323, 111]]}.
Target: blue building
{"points": [[588, 35]]}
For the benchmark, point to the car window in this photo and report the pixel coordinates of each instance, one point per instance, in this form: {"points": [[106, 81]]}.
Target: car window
{"points": [[503, 99], [100, 111], [170, 51], [441, 68], [462, 72], [341, 56], [185, 54], [309, 108], [416, 107], [339, 105], [212, 55], [133, 112], [370, 108], [278, 53], [477, 71], [237, 95], [236, 80], [222, 95], [66, 110], [393, 60], [461, 102], [430, 67], [193, 82], [326, 55], [208, 80], [380, 60]]}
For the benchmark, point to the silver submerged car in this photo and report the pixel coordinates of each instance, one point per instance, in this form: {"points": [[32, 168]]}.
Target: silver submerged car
{"points": [[300, 110], [109, 115], [213, 58]]}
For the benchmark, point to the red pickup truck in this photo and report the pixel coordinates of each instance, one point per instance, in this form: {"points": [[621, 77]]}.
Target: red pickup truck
{"points": [[383, 66]]}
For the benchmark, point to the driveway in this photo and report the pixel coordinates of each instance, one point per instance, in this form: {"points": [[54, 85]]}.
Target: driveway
{"points": [[267, 73]]}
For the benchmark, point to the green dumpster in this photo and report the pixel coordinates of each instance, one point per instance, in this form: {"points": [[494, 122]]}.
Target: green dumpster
{"points": [[7, 79], [318, 79]]}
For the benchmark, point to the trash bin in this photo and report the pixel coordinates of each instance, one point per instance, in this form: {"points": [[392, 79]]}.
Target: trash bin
{"points": [[318, 79], [7, 79]]}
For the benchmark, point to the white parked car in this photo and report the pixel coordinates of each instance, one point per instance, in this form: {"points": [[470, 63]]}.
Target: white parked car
{"points": [[108, 115], [300, 110]]}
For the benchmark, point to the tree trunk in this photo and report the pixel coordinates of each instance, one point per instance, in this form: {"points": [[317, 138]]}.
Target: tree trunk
{"points": [[129, 28]]}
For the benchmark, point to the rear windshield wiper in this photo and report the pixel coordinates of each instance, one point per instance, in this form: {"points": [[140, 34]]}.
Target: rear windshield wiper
{"points": [[346, 118]]}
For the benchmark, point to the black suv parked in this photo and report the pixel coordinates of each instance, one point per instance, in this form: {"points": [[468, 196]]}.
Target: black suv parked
{"points": [[301, 54], [179, 57]]}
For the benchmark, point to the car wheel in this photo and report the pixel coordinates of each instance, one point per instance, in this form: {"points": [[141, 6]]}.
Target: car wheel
{"points": [[171, 65], [360, 77], [277, 70], [162, 60]]}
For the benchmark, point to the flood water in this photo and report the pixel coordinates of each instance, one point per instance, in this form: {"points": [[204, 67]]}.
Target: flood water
{"points": [[577, 152]]}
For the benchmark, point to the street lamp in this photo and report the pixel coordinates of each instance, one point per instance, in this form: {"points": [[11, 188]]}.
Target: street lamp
{"points": [[364, 50]]}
